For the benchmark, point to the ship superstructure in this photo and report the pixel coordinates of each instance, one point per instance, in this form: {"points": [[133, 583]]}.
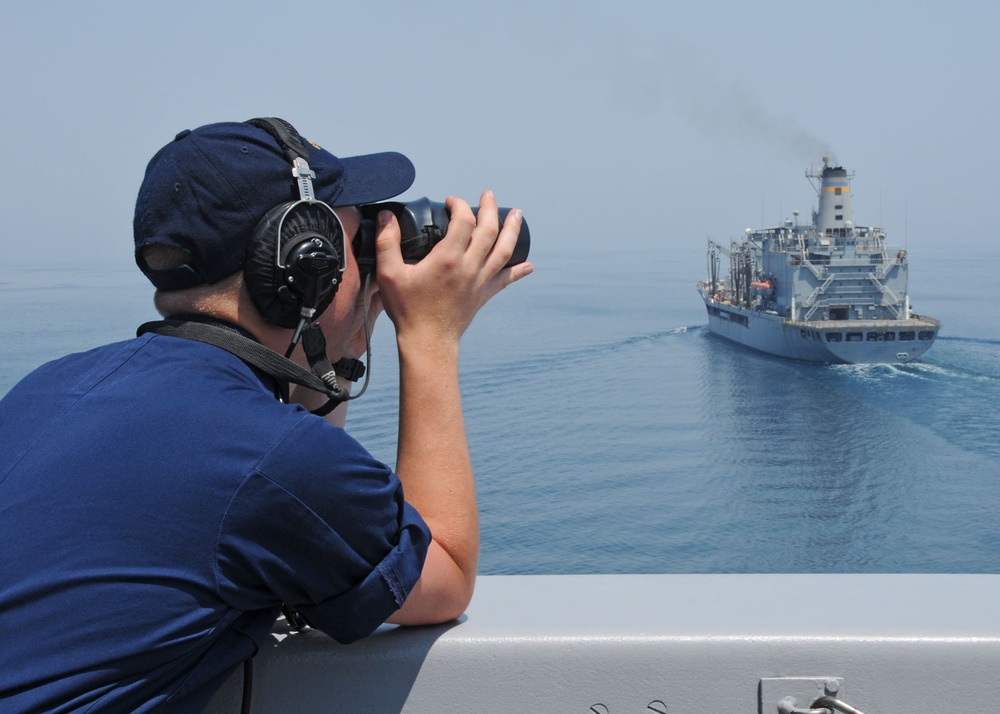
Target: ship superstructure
{"points": [[828, 291]]}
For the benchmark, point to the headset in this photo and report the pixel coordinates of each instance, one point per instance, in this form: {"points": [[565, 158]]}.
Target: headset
{"points": [[297, 255]]}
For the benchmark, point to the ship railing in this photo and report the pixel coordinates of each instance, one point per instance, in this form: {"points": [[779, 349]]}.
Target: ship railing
{"points": [[812, 312], [818, 270], [820, 290], [889, 299], [839, 299], [888, 643], [820, 266], [887, 264]]}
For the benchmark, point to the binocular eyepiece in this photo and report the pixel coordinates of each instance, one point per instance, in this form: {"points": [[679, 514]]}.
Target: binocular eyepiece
{"points": [[422, 224]]}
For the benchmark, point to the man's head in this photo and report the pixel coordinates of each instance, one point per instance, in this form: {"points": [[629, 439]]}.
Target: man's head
{"points": [[205, 194]]}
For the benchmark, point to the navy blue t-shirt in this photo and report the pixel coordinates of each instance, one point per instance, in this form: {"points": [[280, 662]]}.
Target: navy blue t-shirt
{"points": [[157, 506]]}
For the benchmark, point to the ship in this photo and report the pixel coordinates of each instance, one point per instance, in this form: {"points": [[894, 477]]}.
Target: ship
{"points": [[829, 291]]}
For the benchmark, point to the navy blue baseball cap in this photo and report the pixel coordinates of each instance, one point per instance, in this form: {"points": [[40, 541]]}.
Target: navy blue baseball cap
{"points": [[205, 192]]}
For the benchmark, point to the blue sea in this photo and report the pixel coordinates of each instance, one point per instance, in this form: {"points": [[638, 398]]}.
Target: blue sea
{"points": [[611, 433]]}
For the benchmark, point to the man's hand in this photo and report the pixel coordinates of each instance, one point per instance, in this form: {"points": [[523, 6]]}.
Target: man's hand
{"points": [[434, 301]]}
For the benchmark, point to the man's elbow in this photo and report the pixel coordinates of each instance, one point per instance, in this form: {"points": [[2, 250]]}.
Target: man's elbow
{"points": [[442, 593], [433, 606]]}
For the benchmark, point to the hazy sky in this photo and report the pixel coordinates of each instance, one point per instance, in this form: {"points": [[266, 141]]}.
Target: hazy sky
{"points": [[614, 125]]}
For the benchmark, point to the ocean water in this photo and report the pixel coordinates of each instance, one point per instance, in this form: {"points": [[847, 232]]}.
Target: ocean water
{"points": [[611, 433]]}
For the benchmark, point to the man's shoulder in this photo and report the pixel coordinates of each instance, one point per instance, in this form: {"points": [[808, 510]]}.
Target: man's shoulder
{"points": [[72, 372], [170, 361], [169, 376], [100, 361]]}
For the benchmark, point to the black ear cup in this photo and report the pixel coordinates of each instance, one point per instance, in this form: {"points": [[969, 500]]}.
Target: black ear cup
{"points": [[295, 260]]}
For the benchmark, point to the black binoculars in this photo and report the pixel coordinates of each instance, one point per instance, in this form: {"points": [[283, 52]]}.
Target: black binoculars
{"points": [[422, 224]]}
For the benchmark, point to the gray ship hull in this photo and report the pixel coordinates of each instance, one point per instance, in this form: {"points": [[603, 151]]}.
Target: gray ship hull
{"points": [[825, 341]]}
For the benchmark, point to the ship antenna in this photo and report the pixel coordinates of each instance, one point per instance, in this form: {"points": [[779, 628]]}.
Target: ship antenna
{"points": [[906, 224], [810, 175]]}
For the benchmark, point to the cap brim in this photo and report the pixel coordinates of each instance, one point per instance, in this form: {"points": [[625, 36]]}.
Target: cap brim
{"points": [[374, 177]]}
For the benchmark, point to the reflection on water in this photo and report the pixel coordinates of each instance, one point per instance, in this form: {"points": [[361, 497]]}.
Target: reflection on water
{"points": [[703, 457], [861, 457]]}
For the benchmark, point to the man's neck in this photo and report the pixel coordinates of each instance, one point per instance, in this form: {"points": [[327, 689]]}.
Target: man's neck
{"points": [[245, 316]]}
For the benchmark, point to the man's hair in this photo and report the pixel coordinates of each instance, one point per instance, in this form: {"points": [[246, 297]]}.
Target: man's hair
{"points": [[202, 299]]}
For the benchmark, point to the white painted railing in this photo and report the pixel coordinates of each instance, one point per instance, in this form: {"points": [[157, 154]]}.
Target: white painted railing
{"points": [[699, 644]]}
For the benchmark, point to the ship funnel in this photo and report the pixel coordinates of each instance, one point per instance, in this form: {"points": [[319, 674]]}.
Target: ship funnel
{"points": [[835, 209]]}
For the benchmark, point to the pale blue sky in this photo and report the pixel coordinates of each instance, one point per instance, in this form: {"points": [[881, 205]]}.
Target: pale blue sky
{"points": [[628, 124]]}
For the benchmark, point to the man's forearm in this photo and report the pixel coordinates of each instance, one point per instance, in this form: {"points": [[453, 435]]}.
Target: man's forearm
{"points": [[433, 457]]}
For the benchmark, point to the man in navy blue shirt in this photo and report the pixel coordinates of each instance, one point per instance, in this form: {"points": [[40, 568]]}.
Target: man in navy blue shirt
{"points": [[162, 499]]}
